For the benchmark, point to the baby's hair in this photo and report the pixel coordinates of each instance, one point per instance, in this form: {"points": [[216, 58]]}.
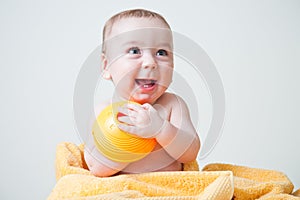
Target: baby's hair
{"points": [[137, 13]]}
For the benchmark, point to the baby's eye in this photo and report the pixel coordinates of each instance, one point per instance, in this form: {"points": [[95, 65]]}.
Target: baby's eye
{"points": [[134, 50], [162, 52]]}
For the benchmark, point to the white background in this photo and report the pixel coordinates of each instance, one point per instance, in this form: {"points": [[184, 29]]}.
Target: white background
{"points": [[255, 46]]}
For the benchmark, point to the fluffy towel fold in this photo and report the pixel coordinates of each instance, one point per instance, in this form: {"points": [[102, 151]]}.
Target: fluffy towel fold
{"points": [[74, 181], [251, 183]]}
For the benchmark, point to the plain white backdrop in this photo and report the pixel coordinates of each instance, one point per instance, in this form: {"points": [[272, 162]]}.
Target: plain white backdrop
{"points": [[255, 46]]}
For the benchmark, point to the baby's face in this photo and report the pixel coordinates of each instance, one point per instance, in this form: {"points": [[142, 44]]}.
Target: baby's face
{"points": [[139, 59]]}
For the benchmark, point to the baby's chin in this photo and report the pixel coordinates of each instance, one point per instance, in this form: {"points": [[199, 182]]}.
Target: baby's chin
{"points": [[150, 98], [143, 98]]}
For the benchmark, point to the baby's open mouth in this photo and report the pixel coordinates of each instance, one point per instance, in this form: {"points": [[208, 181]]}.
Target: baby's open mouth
{"points": [[145, 83]]}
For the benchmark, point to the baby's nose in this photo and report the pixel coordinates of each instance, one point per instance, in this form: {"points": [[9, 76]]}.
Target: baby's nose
{"points": [[149, 61]]}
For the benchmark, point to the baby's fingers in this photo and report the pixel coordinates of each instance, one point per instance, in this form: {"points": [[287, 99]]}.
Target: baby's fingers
{"points": [[123, 110], [128, 128], [134, 107], [126, 120], [126, 111]]}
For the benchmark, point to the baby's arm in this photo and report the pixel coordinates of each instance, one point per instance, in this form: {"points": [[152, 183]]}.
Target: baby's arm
{"points": [[178, 136], [97, 163]]}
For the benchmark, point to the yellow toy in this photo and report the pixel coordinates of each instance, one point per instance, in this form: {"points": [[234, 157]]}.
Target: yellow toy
{"points": [[116, 144]]}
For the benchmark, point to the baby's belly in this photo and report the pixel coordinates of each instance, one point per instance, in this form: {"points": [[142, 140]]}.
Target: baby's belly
{"points": [[157, 160]]}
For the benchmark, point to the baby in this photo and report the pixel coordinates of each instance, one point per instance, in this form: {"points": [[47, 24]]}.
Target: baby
{"points": [[137, 57]]}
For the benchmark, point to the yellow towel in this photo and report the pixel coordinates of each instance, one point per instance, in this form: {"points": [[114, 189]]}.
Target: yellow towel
{"points": [[74, 181], [251, 183]]}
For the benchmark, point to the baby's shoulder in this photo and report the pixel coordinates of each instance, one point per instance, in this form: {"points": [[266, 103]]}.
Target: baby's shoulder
{"points": [[171, 96], [170, 99]]}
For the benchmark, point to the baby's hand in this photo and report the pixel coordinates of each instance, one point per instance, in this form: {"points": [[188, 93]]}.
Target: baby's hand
{"points": [[141, 120]]}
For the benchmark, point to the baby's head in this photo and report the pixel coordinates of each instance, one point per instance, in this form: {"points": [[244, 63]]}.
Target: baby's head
{"points": [[137, 55], [129, 14]]}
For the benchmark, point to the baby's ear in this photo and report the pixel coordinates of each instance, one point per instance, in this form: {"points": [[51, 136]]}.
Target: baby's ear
{"points": [[104, 67]]}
